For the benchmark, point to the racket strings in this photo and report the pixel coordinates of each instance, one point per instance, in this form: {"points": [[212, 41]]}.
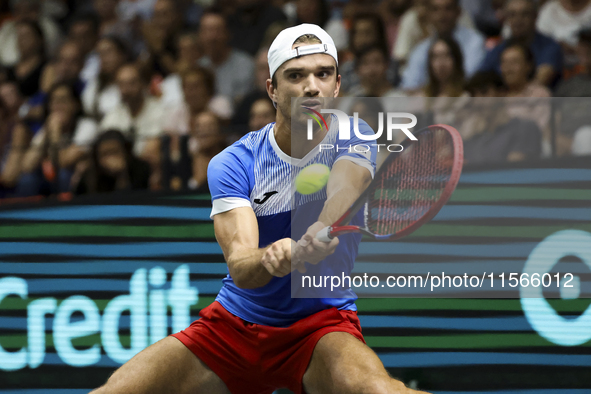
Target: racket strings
{"points": [[411, 184]]}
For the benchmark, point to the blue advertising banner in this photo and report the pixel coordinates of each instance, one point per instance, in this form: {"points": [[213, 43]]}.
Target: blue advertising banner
{"points": [[87, 284]]}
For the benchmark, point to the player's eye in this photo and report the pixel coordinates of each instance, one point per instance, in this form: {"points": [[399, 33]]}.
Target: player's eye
{"points": [[294, 76]]}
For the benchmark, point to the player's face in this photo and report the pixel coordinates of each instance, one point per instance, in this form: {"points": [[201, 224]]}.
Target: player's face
{"points": [[308, 77]]}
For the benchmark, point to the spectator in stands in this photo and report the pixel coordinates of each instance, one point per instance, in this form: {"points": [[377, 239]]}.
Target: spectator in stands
{"points": [[14, 137], [445, 93], [27, 71], [14, 145], [502, 137], [249, 22], [11, 100], [5, 13], [187, 167], [110, 24], [486, 15], [197, 96], [415, 26], [489, 130], [140, 116], [562, 20], [189, 52], [580, 84], [312, 11], [262, 112], [444, 16], [446, 71], [101, 94], [372, 68], [521, 18], [159, 35], [30, 11], [207, 141], [391, 12], [113, 167], [367, 29], [66, 68], [240, 122], [574, 132], [485, 84], [517, 72], [233, 68], [132, 10], [55, 150], [198, 89], [84, 31]]}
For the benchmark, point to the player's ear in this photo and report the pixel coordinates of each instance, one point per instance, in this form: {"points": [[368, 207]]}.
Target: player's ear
{"points": [[271, 91], [338, 86]]}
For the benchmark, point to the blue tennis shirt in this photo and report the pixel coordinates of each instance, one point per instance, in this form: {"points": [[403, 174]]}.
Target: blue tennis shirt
{"points": [[254, 172]]}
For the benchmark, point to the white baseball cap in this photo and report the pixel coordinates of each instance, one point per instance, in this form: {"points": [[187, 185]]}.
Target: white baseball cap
{"points": [[280, 50]]}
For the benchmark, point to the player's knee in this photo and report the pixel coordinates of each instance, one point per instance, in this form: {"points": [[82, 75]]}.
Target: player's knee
{"points": [[384, 385], [100, 390], [110, 387]]}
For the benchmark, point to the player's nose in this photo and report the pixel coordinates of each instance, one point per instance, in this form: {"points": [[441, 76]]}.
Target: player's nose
{"points": [[311, 86]]}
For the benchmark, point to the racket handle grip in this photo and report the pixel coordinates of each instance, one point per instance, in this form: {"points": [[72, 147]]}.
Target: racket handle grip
{"points": [[324, 234]]}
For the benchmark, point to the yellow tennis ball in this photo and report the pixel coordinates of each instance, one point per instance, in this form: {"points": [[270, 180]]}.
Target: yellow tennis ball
{"points": [[312, 179]]}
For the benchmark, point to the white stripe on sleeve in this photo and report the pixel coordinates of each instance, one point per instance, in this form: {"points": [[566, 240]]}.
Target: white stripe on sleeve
{"points": [[226, 204]]}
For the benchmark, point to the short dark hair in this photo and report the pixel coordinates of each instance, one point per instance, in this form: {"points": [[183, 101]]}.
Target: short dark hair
{"points": [[371, 48], [527, 54], [307, 39], [120, 44], [36, 27], [376, 22], [86, 17], [142, 72], [456, 3], [72, 90], [206, 75], [215, 10], [585, 35], [482, 81]]}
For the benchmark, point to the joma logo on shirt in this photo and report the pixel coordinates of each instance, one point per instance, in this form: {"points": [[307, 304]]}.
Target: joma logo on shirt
{"points": [[266, 196]]}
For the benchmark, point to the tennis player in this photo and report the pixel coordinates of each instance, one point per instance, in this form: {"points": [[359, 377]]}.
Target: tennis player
{"points": [[256, 338]]}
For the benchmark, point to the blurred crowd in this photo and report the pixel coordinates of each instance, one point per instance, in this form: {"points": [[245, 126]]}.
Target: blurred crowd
{"points": [[115, 95]]}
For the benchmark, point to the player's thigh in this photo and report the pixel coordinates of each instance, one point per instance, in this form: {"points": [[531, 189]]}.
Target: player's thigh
{"points": [[165, 367], [343, 364]]}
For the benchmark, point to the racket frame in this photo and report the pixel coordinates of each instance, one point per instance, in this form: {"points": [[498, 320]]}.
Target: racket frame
{"points": [[341, 226]]}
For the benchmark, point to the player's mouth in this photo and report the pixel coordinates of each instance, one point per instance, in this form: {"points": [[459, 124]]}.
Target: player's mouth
{"points": [[312, 104]]}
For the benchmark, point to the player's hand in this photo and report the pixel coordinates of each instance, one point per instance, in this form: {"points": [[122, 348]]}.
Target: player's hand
{"points": [[277, 257], [311, 250]]}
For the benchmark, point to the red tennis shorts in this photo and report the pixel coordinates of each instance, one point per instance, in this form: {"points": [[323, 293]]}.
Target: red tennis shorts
{"points": [[256, 359]]}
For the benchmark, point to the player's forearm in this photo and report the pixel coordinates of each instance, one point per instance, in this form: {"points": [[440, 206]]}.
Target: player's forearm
{"points": [[342, 194], [246, 269], [337, 205]]}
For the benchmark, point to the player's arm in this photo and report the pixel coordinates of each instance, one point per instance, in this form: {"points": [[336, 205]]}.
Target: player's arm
{"points": [[346, 183], [250, 266]]}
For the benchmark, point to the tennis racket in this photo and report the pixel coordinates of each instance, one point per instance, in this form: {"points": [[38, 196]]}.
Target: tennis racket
{"points": [[409, 189]]}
